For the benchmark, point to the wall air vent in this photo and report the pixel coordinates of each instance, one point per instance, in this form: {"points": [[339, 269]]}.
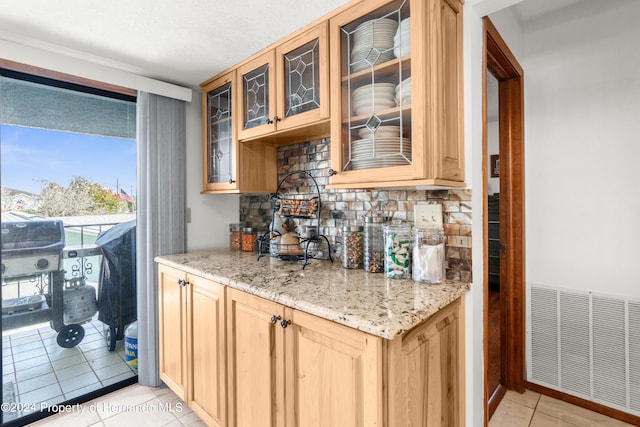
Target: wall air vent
{"points": [[586, 345]]}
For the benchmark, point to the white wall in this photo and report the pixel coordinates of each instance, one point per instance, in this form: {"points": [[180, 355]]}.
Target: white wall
{"points": [[582, 139], [210, 214]]}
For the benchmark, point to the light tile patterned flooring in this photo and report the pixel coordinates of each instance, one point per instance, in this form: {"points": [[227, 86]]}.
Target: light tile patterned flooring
{"points": [[532, 409], [141, 405], [36, 369], [42, 371]]}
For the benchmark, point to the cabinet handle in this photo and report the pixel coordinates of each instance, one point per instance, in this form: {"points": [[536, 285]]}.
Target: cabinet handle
{"points": [[231, 180], [285, 323], [182, 283], [332, 172], [276, 119], [275, 318]]}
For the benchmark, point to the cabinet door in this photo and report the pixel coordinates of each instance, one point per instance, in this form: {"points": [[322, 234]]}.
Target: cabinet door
{"points": [[172, 307], [372, 121], [220, 146], [206, 344], [257, 99], [426, 367], [334, 374], [255, 362], [303, 78]]}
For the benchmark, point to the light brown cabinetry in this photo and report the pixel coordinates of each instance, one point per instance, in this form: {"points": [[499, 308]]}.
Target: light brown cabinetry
{"points": [[192, 342], [291, 368], [230, 166], [315, 372], [283, 93], [240, 360], [396, 113]]}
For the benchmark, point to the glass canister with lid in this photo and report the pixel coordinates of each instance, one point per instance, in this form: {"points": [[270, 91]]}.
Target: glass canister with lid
{"points": [[235, 236], [429, 263], [249, 236], [352, 246], [373, 258], [397, 250]]}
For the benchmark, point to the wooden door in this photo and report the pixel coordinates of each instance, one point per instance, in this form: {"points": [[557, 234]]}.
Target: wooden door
{"points": [[334, 374], [255, 362], [500, 61], [207, 357], [172, 311]]}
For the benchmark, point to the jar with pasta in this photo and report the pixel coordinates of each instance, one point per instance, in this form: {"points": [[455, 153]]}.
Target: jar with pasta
{"points": [[235, 236]]}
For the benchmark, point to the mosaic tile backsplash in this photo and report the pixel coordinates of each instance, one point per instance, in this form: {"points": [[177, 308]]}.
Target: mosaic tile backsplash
{"points": [[349, 207]]}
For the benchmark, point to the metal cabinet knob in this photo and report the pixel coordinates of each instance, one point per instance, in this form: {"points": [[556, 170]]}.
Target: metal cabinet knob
{"points": [[285, 323], [275, 318]]}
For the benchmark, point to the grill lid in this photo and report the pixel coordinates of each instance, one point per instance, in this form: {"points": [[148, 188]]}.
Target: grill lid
{"points": [[28, 237]]}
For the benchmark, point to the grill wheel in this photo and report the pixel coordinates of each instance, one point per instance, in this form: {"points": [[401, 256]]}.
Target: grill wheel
{"points": [[70, 335]]}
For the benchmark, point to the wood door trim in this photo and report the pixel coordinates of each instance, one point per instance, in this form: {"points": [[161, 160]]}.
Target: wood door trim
{"points": [[500, 61]]}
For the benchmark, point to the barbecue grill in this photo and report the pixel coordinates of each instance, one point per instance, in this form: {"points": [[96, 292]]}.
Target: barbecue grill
{"points": [[32, 251]]}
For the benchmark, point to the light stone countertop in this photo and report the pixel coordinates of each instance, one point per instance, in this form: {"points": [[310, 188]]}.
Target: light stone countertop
{"points": [[365, 301]]}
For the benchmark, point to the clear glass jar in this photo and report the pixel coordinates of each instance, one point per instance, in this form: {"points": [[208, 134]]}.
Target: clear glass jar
{"points": [[397, 251], [235, 236], [429, 263], [352, 246], [373, 261], [249, 236]]}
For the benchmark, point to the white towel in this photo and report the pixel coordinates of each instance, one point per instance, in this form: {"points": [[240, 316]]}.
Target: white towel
{"points": [[428, 263]]}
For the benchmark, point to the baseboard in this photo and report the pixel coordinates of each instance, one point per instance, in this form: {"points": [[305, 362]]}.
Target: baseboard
{"points": [[587, 404]]}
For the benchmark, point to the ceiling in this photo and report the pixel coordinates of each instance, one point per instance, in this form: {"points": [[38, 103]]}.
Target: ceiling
{"points": [[183, 42]]}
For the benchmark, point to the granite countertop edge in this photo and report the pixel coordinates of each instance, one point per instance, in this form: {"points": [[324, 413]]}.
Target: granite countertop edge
{"points": [[368, 302]]}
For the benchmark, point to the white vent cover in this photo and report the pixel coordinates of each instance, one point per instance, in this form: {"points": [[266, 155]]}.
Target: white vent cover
{"points": [[586, 345]]}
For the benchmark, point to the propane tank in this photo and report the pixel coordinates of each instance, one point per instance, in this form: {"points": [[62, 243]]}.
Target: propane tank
{"points": [[131, 344], [79, 302]]}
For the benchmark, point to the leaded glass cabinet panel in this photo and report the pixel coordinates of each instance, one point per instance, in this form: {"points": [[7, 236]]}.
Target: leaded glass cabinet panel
{"points": [[302, 79], [396, 109], [220, 153]]}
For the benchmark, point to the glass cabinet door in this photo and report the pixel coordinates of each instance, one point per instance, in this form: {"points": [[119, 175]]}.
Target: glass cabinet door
{"points": [[257, 101], [377, 85], [375, 123], [220, 154], [302, 79]]}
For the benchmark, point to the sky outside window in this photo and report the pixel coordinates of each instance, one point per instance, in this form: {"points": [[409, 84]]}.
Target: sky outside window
{"points": [[31, 156]]}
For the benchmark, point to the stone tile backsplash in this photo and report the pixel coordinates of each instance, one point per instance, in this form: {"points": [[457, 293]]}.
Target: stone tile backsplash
{"points": [[349, 207]]}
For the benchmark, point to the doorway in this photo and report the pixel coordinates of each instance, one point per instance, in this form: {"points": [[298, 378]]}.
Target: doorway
{"points": [[504, 292]]}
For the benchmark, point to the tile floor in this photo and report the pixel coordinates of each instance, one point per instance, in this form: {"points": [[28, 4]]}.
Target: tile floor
{"points": [[36, 369], [532, 409], [42, 371], [149, 406]]}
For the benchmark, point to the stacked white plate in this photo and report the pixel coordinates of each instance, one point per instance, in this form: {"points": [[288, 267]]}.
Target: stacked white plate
{"points": [[380, 151], [370, 36], [370, 98], [403, 92], [402, 39], [387, 131]]}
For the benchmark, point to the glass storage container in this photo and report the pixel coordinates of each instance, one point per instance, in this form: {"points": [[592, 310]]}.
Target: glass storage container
{"points": [[429, 255], [397, 250], [235, 236], [249, 236], [373, 261], [352, 246]]}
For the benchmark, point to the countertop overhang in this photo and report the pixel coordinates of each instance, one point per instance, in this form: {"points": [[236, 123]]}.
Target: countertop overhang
{"points": [[365, 301]]}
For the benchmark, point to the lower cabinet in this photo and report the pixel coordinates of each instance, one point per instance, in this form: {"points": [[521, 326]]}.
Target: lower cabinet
{"points": [[243, 361], [192, 342], [289, 368]]}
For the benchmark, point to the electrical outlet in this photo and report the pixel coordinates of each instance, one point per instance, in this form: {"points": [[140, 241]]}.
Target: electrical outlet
{"points": [[428, 216]]}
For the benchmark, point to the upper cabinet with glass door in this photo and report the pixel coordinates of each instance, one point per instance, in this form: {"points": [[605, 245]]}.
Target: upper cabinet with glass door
{"points": [[229, 166], [284, 92], [396, 112]]}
